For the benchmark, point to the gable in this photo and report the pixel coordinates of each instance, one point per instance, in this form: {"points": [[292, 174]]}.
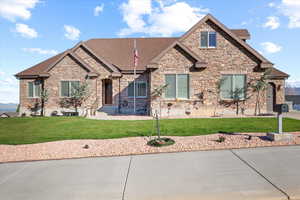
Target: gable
{"points": [[98, 66], [228, 54], [66, 67], [228, 34], [185, 51]]}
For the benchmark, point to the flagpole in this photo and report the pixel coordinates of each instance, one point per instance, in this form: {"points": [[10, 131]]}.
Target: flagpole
{"points": [[134, 74]]}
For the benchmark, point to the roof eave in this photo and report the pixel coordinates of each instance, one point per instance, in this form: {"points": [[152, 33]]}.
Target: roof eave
{"points": [[278, 77], [24, 76]]}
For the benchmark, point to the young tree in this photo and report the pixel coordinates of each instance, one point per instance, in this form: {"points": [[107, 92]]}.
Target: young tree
{"points": [[157, 94], [218, 90], [238, 96], [44, 99], [258, 87], [79, 94]]}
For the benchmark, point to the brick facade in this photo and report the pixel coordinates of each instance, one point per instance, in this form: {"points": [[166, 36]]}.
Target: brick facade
{"points": [[228, 57]]}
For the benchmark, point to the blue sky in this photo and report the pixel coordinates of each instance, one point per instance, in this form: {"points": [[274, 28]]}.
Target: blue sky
{"points": [[33, 30]]}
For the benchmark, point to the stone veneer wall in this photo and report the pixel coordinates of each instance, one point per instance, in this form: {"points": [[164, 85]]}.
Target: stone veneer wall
{"points": [[227, 58]]}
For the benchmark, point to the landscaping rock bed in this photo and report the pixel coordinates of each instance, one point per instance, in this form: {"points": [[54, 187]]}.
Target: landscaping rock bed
{"points": [[134, 146]]}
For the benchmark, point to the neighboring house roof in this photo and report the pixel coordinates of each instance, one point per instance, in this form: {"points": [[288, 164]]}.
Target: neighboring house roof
{"points": [[276, 73], [9, 114], [117, 53]]}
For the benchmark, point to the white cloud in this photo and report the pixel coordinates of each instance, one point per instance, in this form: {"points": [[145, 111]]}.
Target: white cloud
{"points": [[272, 23], [271, 4], [133, 13], [71, 32], [291, 9], [40, 51], [142, 16], [2, 73], [98, 10], [270, 47], [25, 31], [13, 9], [244, 23], [9, 89]]}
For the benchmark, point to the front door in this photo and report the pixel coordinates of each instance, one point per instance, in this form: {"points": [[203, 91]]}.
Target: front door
{"points": [[271, 97], [107, 91]]}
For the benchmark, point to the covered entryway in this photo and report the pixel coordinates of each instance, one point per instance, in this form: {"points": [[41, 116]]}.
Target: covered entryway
{"points": [[107, 91], [271, 97]]}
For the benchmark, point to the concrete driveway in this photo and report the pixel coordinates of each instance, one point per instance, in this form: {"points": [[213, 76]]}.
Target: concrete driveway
{"points": [[262, 174]]}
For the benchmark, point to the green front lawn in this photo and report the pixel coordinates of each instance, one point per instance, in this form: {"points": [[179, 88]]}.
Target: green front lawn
{"points": [[36, 130]]}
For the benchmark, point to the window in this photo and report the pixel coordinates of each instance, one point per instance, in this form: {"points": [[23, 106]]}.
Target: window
{"points": [[140, 89], [34, 89], [208, 39], [233, 86], [177, 86], [68, 88]]}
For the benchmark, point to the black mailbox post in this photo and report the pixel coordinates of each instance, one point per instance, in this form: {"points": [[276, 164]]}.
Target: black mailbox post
{"points": [[280, 108]]}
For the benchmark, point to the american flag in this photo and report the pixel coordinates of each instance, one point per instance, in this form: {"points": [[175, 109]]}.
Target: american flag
{"points": [[136, 56]]}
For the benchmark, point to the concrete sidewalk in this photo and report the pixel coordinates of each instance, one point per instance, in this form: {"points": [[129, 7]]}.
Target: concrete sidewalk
{"points": [[263, 173], [293, 115]]}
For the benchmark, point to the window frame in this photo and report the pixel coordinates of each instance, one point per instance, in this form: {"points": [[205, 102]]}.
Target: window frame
{"points": [[208, 41], [136, 85], [176, 87], [60, 87], [233, 86], [34, 85]]}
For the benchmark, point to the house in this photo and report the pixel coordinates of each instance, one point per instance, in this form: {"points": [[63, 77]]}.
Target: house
{"points": [[292, 95], [191, 66], [9, 114]]}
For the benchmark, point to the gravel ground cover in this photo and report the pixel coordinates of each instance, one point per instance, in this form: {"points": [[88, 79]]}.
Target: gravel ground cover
{"points": [[133, 146]]}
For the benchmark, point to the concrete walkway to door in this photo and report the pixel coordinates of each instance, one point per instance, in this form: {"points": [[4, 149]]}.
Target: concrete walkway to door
{"points": [[247, 174]]}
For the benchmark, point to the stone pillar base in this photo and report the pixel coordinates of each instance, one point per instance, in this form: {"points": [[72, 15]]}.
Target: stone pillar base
{"points": [[280, 137]]}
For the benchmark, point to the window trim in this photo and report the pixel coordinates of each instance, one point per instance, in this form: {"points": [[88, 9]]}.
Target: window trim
{"points": [[208, 47], [138, 97], [60, 87], [176, 84], [34, 86], [245, 82]]}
